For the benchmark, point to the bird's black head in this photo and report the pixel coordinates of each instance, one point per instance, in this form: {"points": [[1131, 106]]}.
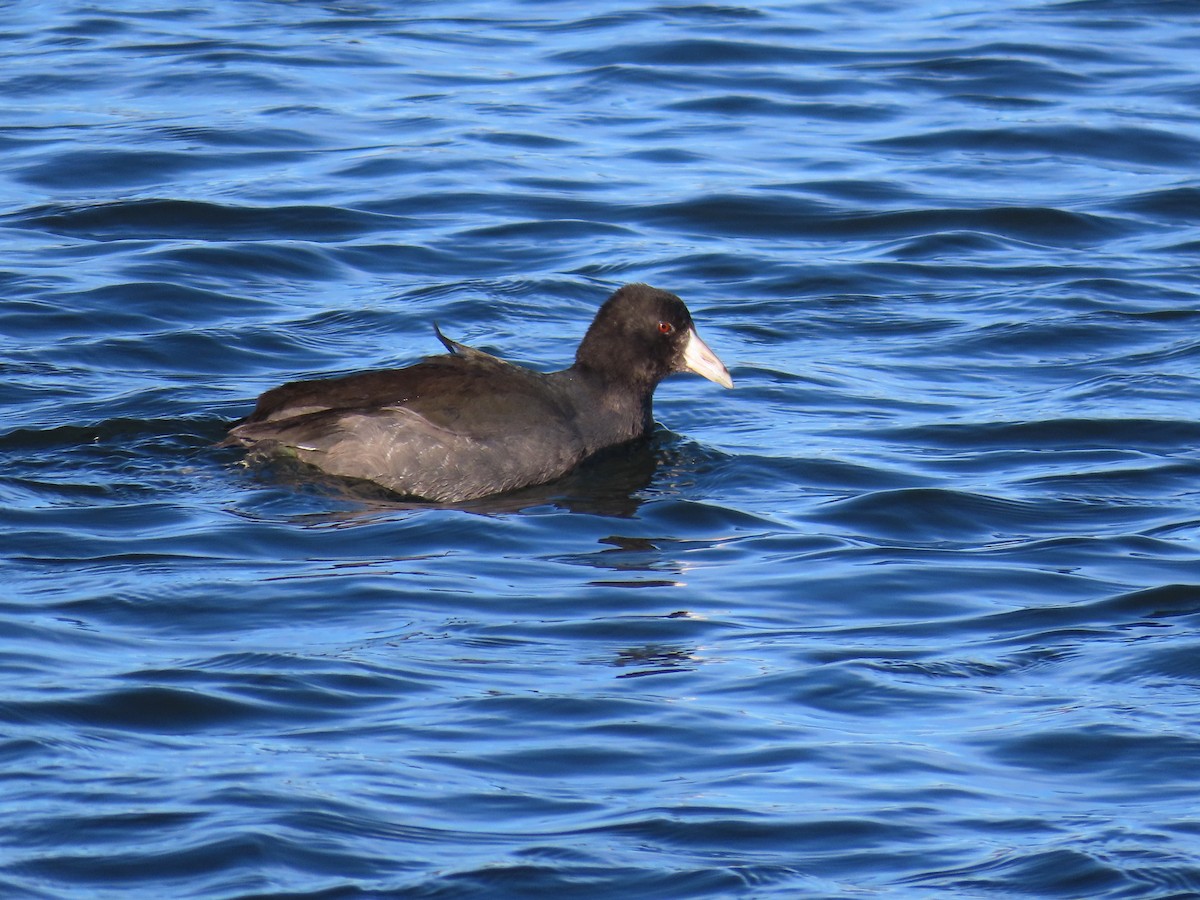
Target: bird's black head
{"points": [[641, 335]]}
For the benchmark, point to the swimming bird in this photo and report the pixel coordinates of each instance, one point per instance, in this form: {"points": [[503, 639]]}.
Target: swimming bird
{"points": [[466, 424]]}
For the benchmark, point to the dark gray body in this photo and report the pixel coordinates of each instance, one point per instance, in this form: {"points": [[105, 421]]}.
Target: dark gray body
{"points": [[466, 424], [454, 427]]}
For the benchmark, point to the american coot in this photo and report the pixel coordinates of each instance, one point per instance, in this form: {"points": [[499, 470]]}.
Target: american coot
{"points": [[466, 424]]}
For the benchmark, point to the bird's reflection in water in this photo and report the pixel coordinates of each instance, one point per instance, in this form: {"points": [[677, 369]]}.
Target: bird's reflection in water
{"points": [[655, 659], [613, 484]]}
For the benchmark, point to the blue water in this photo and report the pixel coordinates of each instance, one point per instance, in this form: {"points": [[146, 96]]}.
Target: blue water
{"points": [[912, 612]]}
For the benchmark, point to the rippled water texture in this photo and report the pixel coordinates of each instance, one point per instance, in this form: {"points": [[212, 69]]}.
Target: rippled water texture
{"points": [[912, 612]]}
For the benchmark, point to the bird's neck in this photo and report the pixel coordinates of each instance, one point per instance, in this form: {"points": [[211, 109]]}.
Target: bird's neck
{"points": [[623, 408]]}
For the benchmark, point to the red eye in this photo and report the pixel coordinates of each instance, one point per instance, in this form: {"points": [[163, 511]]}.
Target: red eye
{"points": [[665, 328]]}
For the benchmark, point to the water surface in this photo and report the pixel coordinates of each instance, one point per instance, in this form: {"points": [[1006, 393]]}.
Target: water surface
{"points": [[914, 611]]}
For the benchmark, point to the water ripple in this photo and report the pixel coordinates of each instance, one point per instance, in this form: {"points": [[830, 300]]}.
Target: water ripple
{"points": [[913, 610]]}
